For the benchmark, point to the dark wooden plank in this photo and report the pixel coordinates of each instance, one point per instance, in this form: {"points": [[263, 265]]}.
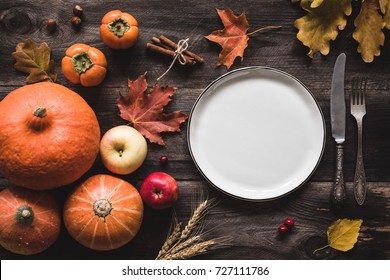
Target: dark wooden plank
{"points": [[253, 226]]}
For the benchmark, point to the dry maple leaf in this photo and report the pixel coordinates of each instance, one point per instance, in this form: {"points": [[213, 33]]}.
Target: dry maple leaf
{"points": [[368, 33], [233, 38], [34, 61], [145, 111], [322, 23], [342, 234]]}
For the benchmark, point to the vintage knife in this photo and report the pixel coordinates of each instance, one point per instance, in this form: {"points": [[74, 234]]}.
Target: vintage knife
{"points": [[337, 116]]}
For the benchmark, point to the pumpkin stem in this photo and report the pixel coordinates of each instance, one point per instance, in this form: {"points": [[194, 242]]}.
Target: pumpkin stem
{"points": [[102, 208], [119, 27], [24, 215], [40, 112]]}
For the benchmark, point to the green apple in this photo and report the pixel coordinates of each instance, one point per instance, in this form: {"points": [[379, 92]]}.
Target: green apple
{"points": [[123, 149]]}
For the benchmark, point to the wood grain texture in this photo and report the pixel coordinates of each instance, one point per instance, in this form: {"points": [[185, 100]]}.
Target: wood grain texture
{"points": [[253, 226]]}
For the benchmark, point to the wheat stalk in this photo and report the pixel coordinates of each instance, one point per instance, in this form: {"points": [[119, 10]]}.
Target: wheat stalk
{"points": [[172, 238], [191, 251], [195, 219], [186, 243]]}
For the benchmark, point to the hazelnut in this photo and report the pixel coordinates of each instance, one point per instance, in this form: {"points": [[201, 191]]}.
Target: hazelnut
{"points": [[78, 11], [51, 25], [76, 21]]}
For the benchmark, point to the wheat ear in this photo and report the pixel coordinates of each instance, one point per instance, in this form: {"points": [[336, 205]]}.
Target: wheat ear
{"points": [[193, 222], [172, 238]]}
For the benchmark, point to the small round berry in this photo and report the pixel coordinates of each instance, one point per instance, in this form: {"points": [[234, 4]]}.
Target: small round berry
{"points": [[164, 159], [289, 222], [283, 229]]}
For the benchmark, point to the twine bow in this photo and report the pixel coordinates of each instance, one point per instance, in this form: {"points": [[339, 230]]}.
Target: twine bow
{"points": [[182, 45]]}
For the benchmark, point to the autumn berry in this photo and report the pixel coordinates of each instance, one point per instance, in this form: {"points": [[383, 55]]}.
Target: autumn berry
{"points": [[164, 159], [289, 222], [283, 229]]}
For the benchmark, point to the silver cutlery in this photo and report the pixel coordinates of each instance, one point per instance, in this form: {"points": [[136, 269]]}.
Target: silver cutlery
{"points": [[337, 115], [358, 110]]}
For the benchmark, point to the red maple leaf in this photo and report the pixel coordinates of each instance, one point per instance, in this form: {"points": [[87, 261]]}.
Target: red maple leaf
{"points": [[145, 111], [233, 38]]}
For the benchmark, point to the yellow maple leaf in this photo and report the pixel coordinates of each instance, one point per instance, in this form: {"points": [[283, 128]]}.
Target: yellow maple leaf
{"points": [[368, 33], [322, 23], [343, 234]]}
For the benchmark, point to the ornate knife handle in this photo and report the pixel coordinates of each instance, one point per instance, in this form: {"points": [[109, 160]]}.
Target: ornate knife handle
{"points": [[338, 192]]}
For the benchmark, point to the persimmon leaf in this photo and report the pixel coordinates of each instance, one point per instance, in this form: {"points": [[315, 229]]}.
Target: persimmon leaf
{"points": [[234, 37], [322, 23], [35, 61], [145, 111], [343, 234]]}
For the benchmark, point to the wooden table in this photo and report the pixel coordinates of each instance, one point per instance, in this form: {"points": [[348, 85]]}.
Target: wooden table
{"points": [[252, 225]]}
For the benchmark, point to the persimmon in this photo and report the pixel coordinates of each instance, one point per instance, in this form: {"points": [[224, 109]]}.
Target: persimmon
{"points": [[84, 65], [119, 30]]}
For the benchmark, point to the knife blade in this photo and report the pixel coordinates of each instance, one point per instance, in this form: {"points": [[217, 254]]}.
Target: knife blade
{"points": [[338, 118]]}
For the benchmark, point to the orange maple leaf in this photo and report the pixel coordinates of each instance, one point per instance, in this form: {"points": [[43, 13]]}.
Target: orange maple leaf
{"points": [[233, 38], [145, 111]]}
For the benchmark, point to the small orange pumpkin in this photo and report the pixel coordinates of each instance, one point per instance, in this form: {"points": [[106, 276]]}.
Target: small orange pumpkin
{"points": [[103, 213], [29, 220], [49, 136]]}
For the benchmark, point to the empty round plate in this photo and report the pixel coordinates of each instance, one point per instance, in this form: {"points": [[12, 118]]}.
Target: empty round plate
{"points": [[256, 133]]}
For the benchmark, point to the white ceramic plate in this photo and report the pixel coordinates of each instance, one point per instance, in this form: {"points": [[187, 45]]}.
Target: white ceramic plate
{"points": [[256, 133]]}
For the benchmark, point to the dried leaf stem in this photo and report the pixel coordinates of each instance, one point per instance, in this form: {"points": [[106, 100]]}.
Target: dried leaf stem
{"points": [[263, 29]]}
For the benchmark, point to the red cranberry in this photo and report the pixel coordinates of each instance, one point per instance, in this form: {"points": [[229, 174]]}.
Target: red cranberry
{"points": [[289, 222], [283, 229], [163, 159]]}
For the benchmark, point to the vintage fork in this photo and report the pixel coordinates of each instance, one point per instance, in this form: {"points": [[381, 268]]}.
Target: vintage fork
{"points": [[358, 110]]}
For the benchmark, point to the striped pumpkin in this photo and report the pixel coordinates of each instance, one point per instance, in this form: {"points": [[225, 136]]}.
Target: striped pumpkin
{"points": [[103, 213], [29, 220]]}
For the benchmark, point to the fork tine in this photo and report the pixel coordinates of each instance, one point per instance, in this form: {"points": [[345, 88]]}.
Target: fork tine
{"points": [[364, 88]]}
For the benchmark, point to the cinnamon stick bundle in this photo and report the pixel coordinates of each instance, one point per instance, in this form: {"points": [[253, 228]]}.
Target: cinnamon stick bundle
{"points": [[167, 47]]}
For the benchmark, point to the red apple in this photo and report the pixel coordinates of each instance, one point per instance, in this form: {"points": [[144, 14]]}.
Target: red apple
{"points": [[159, 190]]}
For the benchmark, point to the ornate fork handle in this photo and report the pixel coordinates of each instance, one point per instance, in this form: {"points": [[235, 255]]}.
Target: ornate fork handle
{"points": [[338, 193], [359, 186]]}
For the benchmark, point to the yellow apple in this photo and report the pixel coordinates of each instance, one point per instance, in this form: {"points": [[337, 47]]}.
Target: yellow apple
{"points": [[123, 149]]}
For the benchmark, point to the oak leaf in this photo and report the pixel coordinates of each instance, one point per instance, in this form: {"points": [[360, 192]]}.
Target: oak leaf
{"points": [[35, 61], [343, 234], [368, 33], [145, 111], [385, 10], [234, 37], [322, 23]]}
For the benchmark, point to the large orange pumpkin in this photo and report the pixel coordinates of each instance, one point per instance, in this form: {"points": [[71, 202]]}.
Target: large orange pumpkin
{"points": [[103, 213], [49, 136], [29, 220]]}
